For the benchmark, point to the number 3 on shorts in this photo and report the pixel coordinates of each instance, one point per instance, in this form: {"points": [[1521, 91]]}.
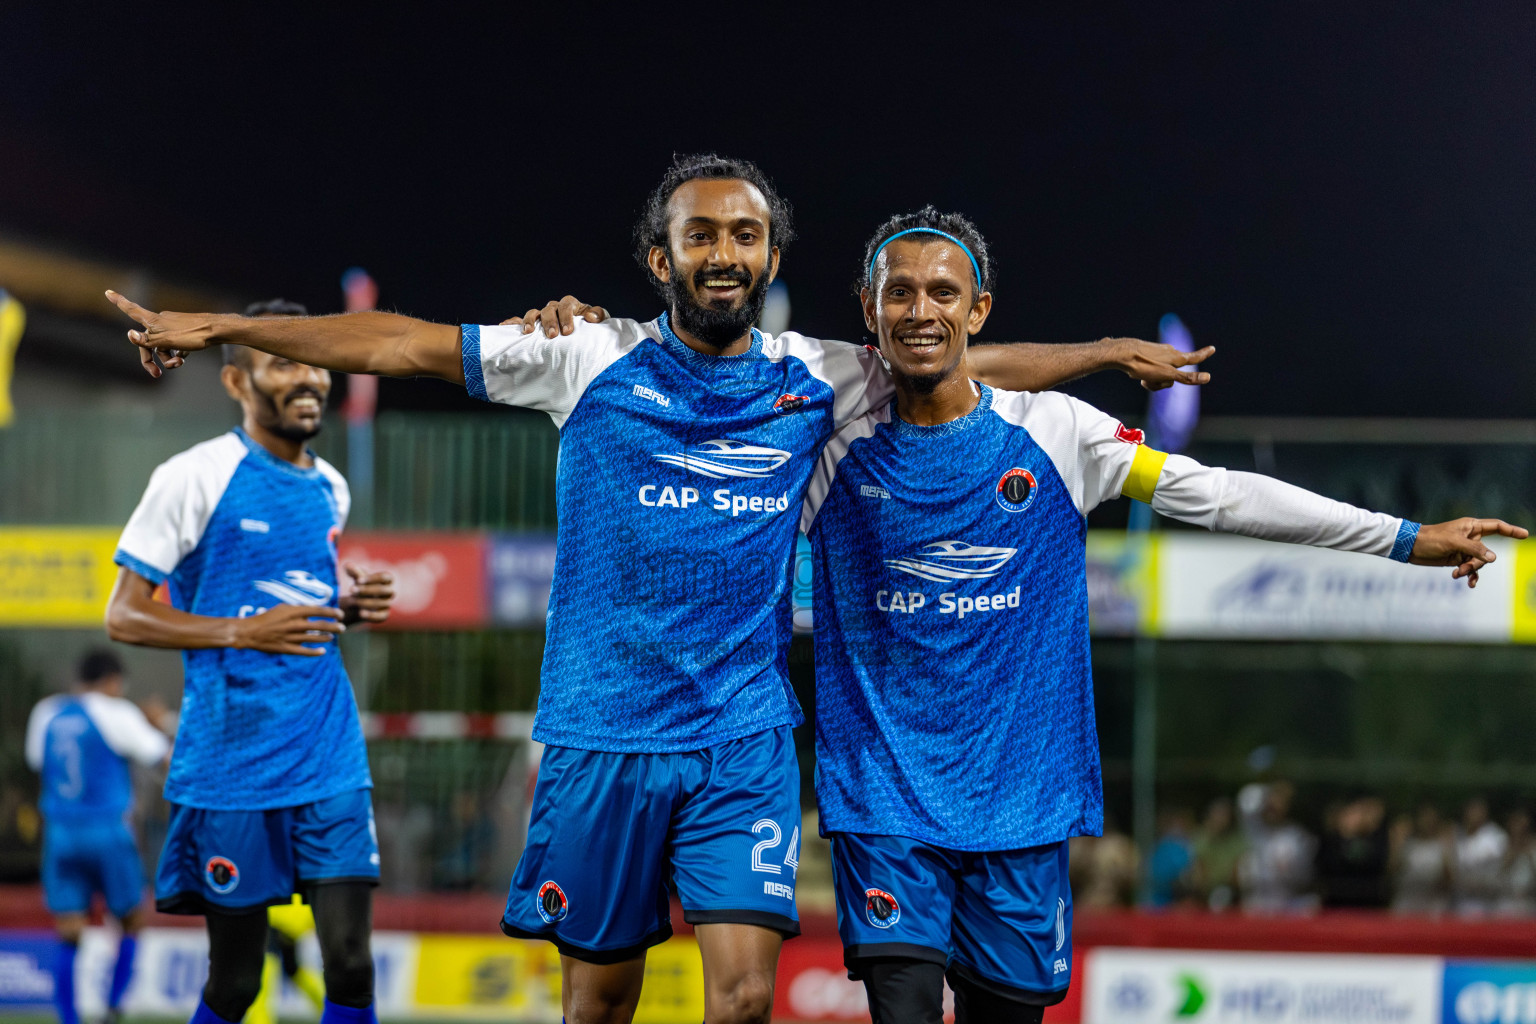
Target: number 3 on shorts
{"points": [[774, 835]]}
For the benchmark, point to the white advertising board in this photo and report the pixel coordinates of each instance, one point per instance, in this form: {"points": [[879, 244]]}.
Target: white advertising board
{"points": [[1211, 586], [1138, 986]]}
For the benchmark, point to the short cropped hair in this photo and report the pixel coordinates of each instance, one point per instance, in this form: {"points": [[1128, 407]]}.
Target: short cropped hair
{"points": [[98, 665], [239, 355], [651, 228], [950, 223]]}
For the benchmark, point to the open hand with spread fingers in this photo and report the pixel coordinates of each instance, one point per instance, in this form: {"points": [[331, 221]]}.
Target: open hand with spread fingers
{"points": [[1157, 365], [1459, 543]]}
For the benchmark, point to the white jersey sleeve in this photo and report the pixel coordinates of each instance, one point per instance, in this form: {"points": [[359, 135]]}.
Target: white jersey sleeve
{"points": [[1099, 458], [125, 729], [339, 488], [506, 366], [182, 495], [37, 729], [857, 374]]}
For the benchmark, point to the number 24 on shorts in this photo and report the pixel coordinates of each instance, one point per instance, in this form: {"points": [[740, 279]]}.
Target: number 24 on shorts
{"points": [[775, 835]]}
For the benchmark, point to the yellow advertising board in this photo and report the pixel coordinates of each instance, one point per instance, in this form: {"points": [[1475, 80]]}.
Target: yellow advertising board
{"points": [[1523, 620], [56, 576], [483, 976]]}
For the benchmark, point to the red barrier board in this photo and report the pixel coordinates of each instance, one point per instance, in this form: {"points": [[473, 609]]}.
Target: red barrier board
{"points": [[440, 580]]}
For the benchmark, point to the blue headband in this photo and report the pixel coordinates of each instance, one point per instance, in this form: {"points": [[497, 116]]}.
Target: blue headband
{"points": [[927, 231]]}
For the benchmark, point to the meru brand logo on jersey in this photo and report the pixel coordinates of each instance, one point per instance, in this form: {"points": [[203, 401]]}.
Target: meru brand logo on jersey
{"points": [[949, 561], [719, 460], [881, 908], [641, 391]]}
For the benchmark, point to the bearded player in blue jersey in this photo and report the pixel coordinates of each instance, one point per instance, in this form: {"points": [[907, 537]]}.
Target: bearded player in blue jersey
{"points": [[269, 785], [81, 743], [955, 738], [686, 445]]}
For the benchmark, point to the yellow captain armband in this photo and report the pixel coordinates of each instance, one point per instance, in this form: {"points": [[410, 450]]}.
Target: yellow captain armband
{"points": [[1145, 469]]}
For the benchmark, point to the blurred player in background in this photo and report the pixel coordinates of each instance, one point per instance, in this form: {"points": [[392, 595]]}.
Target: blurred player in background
{"points": [[82, 743], [955, 737], [287, 925], [664, 705], [269, 786]]}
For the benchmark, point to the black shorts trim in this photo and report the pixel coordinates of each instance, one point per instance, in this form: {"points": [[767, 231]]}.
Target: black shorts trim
{"points": [[1019, 995], [305, 885], [785, 926], [193, 904], [856, 957], [593, 956]]}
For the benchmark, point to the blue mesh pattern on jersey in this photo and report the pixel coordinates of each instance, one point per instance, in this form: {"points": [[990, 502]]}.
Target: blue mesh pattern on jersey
{"points": [[261, 730], [83, 778], [964, 726], [474, 373], [669, 616]]}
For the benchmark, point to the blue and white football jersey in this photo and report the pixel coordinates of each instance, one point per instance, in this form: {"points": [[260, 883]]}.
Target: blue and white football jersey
{"points": [[234, 530], [679, 488], [954, 698], [81, 744]]}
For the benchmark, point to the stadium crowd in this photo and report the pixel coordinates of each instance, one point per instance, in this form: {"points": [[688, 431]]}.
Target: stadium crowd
{"points": [[1250, 853]]}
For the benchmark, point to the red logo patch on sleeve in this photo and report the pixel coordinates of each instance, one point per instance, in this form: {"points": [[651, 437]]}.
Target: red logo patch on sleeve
{"points": [[1129, 435]]}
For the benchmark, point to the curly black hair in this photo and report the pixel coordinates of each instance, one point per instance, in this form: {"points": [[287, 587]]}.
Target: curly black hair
{"points": [[950, 223], [651, 228]]}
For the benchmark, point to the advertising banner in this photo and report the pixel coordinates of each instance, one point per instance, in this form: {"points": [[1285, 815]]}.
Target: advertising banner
{"points": [[56, 576], [26, 970], [440, 579], [813, 984], [522, 571], [1134, 986], [1489, 992], [1211, 586]]}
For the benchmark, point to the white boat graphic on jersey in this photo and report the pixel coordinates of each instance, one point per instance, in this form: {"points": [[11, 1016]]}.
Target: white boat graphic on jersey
{"points": [[297, 587], [946, 560], [719, 459]]}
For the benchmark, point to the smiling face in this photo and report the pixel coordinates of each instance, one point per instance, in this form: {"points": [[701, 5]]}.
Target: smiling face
{"points": [[279, 395], [922, 304], [717, 263]]}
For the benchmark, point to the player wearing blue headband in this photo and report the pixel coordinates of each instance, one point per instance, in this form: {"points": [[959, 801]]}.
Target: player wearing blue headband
{"points": [[955, 738]]}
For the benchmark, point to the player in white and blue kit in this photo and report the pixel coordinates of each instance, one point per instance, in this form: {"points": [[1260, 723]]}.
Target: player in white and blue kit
{"points": [[82, 744], [686, 447], [269, 785], [955, 738]]}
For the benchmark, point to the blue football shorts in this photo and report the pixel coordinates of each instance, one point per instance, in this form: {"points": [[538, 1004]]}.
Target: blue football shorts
{"points": [[1001, 920], [84, 858], [611, 833], [238, 861]]}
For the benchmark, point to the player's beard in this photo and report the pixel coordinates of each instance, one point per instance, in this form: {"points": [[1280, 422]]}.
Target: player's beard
{"points": [[272, 414], [717, 328]]}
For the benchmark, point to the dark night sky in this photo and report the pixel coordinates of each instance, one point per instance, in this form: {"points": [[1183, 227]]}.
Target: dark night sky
{"points": [[1341, 197]]}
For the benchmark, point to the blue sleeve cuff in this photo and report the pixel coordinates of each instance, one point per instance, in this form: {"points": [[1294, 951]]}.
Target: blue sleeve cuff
{"points": [[144, 569], [1407, 533], [474, 374]]}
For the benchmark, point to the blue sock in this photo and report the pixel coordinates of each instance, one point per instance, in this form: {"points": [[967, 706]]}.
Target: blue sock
{"points": [[203, 1015], [64, 982], [122, 971], [336, 1014]]}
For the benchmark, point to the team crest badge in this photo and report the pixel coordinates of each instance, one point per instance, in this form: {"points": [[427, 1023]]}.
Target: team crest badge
{"points": [[1130, 435], [881, 908], [552, 903], [789, 403], [1016, 490], [222, 875]]}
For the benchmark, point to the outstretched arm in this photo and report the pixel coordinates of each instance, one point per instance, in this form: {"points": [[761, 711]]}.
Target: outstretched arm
{"points": [[1027, 366], [380, 343], [135, 617], [1259, 506]]}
